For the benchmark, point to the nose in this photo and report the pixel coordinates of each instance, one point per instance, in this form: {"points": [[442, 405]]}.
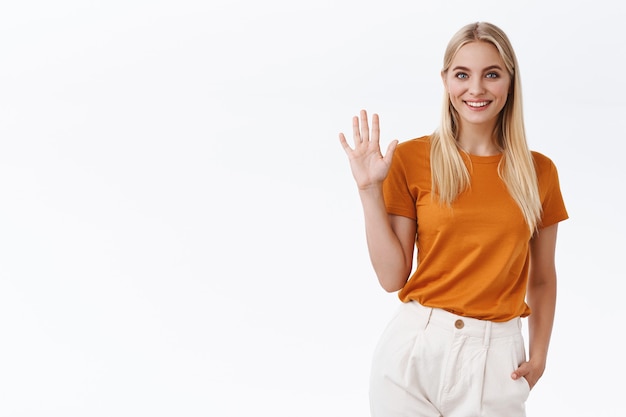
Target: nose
{"points": [[476, 86]]}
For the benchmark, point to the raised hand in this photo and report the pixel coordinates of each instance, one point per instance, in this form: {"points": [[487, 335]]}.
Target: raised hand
{"points": [[369, 166]]}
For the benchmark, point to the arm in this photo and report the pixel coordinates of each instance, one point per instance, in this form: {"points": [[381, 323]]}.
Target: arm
{"points": [[390, 242], [541, 298], [390, 239]]}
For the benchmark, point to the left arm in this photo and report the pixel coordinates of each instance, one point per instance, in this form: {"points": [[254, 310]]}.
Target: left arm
{"points": [[541, 298]]}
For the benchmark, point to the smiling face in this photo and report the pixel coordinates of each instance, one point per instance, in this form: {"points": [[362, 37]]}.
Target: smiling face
{"points": [[478, 84]]}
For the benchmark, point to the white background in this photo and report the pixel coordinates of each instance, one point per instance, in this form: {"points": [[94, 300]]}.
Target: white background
{"points": [[180, 234]]}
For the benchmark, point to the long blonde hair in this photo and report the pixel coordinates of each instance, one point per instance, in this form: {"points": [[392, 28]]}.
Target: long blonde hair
{"points": [[450, 176]]}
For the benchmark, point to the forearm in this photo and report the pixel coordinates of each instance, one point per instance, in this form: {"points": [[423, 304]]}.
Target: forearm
{"points": [[541, 298], [387, 255]]}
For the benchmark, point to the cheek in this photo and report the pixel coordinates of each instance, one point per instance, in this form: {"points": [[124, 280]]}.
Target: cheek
{"points": [[502, 90], [455, 90]]}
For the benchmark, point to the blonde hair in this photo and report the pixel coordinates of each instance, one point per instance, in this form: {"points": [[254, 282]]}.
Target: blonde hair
{"points": [[450, 176]]}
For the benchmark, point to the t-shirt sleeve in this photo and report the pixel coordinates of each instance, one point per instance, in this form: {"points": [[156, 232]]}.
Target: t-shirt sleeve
{"points": [[552, 202], [398, 197]]}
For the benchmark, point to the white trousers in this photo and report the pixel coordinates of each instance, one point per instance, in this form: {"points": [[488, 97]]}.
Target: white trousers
{"points": [[432, 363]]}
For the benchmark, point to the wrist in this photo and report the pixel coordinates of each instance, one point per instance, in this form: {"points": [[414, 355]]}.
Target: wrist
{"points": [[375, 188], [538, 361]]}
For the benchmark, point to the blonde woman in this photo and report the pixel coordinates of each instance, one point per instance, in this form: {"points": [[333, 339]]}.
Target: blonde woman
{"points": [[482, 212]]}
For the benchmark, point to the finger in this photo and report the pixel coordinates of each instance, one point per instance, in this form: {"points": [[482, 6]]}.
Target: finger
{"points": [[375, 128], [355, 130], [365, 130], [344, 143]]}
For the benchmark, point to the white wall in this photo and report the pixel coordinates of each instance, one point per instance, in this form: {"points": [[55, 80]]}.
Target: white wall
{"points": [[180, 234]]}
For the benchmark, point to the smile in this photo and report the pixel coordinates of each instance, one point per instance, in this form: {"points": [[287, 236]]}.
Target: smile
{"points": [[477, 104]]}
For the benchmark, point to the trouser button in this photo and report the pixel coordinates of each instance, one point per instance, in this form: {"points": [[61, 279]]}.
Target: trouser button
{"points": [[459, 324]]}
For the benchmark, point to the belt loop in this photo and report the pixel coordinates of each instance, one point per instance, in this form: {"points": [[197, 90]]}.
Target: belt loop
{"points": [[487, 335]]}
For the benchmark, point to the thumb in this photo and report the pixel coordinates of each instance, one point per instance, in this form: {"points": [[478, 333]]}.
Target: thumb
{"points": [[390, 150], [521, 371]]}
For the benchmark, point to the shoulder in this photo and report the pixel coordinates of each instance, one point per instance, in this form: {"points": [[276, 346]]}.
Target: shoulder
{"points": [[419, 142], [414, 147], [547, 173], [541, 158], [543, 164]]}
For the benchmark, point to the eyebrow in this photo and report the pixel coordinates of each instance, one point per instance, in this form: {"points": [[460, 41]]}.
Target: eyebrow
{"points": [[491, 67]]}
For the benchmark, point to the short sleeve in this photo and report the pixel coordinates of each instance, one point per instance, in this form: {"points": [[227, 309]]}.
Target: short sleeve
{"points": [[553, 206], [396, 190]]}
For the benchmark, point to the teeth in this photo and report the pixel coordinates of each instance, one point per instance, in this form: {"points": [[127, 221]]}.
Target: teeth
{"points": [[477, 103]]}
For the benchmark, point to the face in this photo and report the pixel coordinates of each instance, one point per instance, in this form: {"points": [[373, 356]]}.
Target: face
{"points": [[478, 84]]}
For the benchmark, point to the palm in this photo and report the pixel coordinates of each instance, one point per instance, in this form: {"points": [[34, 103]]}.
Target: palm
{"points": [[369, 166]]}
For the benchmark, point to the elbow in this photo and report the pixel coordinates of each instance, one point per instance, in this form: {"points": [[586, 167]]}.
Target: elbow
{"points": [[392, 289], [392, 284], [542, 277]]}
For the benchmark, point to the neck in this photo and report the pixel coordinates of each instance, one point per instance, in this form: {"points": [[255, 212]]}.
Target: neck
{"points": [[478, 140]]}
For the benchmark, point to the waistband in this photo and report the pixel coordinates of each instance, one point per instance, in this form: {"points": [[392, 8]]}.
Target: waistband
{"points": [[466, 325]]}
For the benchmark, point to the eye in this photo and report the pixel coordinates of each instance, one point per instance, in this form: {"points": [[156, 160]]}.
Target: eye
{"points": [[461, 75], [492, 75]]}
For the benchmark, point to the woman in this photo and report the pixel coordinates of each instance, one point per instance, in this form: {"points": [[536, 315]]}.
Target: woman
{"points": [[482, 211]]}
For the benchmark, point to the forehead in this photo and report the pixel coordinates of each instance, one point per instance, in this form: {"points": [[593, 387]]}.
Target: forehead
{"points": [[477, 55]]}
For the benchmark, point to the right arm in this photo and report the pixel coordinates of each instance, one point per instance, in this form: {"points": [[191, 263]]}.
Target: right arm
{"points": [[390, 238]]}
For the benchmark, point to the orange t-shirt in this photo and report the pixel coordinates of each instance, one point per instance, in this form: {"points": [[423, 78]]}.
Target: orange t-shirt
{"points": [[472, 257]]}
